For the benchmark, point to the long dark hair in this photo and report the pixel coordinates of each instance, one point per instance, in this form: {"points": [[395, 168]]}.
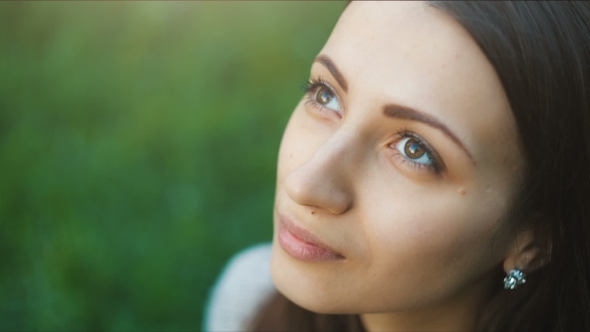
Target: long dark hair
{"points": [[541, 53]]}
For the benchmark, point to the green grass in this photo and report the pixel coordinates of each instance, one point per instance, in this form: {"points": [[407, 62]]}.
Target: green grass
{"points": [[138, 146]]}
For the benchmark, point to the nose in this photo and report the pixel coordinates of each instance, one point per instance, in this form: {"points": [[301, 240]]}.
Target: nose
{"points": [[324, 180]]}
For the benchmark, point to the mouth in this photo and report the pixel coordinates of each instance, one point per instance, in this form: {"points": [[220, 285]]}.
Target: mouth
{"points": [[303, 245]]}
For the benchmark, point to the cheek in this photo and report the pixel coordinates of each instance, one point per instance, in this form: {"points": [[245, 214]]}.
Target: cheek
{"points": [[429, 222], [289, 149], [431, 244]]}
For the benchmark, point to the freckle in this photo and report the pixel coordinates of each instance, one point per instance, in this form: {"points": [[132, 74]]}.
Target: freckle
{"points": [[312, 212], [462, 191]]}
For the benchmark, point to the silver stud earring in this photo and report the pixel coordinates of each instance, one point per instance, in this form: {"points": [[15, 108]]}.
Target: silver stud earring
{"points": [[514, 278]]}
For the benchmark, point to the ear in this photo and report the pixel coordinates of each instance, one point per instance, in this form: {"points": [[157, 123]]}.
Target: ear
{"points": [[525, 253]]}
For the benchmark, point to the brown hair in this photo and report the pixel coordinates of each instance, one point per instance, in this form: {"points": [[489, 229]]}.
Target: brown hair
{"points": [[541, 53]]}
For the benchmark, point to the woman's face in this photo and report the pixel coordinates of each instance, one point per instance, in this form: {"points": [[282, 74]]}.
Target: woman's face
{"points": [[397, 169]]}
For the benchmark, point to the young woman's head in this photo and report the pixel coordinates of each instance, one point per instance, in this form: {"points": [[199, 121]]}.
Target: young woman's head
{"points": [[439, 146]]}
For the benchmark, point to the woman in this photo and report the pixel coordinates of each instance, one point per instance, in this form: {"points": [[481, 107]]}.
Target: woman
{"points": [[436, 176]]}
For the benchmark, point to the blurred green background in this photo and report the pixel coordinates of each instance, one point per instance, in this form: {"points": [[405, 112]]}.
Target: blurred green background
{"points": [[138, 145]]}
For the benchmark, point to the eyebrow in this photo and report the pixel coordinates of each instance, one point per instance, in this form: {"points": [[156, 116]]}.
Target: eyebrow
{"points": [[406, 113], [329, 64], [393, 110]]}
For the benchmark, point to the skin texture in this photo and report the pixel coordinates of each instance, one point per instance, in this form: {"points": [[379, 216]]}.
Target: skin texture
{"points": [[420, 247]]}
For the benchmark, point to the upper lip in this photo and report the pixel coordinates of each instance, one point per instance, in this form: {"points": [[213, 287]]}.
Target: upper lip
{"points": [[305, 235]]}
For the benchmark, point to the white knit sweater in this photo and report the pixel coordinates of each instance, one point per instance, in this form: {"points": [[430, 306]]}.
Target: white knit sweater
{"points": [[240, 290]]}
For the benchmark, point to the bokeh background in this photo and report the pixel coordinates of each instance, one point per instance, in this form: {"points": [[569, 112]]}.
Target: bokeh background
{"points": [[138, 145]]}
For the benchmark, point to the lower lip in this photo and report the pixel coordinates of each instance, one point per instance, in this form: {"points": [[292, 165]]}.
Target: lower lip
{"points": [[301, 250]]}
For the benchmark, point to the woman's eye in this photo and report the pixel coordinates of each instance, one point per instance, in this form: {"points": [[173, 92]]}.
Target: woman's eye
{"points": [[326, 98], [414, 150]]}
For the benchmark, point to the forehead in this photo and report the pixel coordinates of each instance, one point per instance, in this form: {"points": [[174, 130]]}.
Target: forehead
{"points": [[416, 55], [403, 38]]}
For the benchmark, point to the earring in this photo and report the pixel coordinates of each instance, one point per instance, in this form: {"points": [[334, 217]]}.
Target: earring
{"points": [[514, 278]]}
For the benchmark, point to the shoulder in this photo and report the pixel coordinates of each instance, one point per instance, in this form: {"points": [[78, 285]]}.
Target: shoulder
{"points": [[242, 287]]}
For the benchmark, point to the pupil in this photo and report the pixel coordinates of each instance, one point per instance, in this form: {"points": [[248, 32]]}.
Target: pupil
{"points": [[324, 96], [413, 149]]}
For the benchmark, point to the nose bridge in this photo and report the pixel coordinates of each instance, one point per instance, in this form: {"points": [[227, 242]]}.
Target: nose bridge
{"points": [[338, 151], [325, 179]]}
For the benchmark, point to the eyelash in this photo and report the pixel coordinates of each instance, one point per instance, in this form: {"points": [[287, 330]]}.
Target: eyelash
{"points": [[312, 84], [437, 165]]}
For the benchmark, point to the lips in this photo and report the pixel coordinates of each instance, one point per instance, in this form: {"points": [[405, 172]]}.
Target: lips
{"points": [[303, 245]]}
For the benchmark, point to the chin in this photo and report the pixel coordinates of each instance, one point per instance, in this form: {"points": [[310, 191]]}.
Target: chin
{"points": [[313, 303], [303, 291]]}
